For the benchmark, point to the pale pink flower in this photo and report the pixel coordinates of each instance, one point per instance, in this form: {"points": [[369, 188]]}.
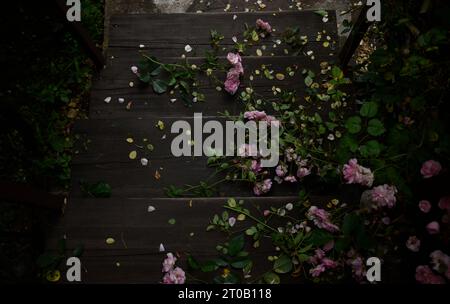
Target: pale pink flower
{"points": [[316, 271], [271, 120], [444, 203], [281, 170], [265, 26], [384, 196], [321, 219], [255, 115], [440, 261], [290, 179], [247, 150], [169, 262], [413, 243], [433, 228], [424, 206], [425, 275], [356, 174], [232, 82], [238, 69], [386, 220], [231, 221], [175, 276], [256, 166], [357, 265], [234, 58], [430, 168], [303, 171], [262, 187], [266, 212]]}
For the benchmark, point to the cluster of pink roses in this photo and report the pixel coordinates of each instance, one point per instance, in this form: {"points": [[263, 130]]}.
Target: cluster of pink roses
{"points": [[233, 76], [321, 219], [282, 172], [441, 265], [357, 174], [173, 275], [261, 116], [321, 263]]}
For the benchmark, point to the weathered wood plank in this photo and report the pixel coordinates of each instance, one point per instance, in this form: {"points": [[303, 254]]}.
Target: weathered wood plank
{"points": [[154, 29]]}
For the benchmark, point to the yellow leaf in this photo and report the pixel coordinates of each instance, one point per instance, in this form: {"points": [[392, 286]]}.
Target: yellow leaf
{"points": [[53, 276], [241, 217], [132, 155], [110, 241], [130, 140], [258, 52], [157, 175], [160, 125], [279, 76]]}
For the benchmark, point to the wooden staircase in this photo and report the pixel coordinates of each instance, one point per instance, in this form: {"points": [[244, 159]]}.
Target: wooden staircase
{"points": [[135, 256]]}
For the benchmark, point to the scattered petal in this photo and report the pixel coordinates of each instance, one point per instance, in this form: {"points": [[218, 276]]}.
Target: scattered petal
{"points": [[144, 162], [121, 100], [110, 241], [157, 175], [172, 221], [151, 208], [161, 248], [108, 99], [188, 48], [130, 140]]}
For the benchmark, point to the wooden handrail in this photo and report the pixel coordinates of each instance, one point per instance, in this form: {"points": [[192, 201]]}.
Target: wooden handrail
{"points": [[357, 33], [81, 35]]}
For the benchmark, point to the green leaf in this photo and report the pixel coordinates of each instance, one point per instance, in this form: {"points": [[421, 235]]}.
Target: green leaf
{"points": [[283, 264], [240, 264], [192, 262], [98, 190], [376, 127], [321, 13], [172, 221], [236, 245], [78, 251], [351, 223], [156, 71], [308, 81], [220, 262], [320, 237], [371, 149], [231, 202], [369, 109], [251, 231], [159, 86], [337, 73], [209, 266], [271, 278], [353, 124]]}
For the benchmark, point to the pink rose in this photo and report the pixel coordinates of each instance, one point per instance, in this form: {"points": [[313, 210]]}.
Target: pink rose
{"points": [[290, 179], [356, 174], [433, 228], [281, 170], [444, 203], [169, 262], [303, 171], [430, 168], [256, 166], [384, 196], [175, 276], [232, 82], [234, 58], [425, 275], [413, 244], [265, 26], [262, 187], [424, 206]]}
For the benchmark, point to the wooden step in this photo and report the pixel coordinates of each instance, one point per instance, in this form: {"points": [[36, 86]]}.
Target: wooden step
{"points": [[139, 233]]}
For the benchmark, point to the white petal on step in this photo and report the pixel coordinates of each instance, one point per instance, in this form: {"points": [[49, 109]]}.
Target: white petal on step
{"points": [[151, 208], [144, 161], [161, 248], [121, 100], [108, 99], [188, 48]]}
